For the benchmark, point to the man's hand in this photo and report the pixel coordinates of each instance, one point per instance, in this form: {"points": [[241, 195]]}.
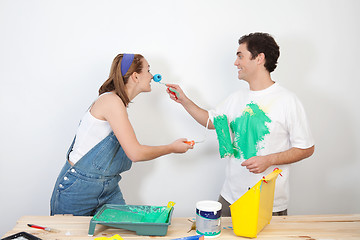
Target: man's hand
{"points": [[257, 164]]}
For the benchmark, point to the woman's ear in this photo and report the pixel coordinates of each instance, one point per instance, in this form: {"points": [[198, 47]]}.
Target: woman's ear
{"points": [[134, 77]]}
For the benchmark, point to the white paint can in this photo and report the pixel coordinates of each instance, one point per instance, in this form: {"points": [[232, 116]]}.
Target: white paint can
{"points": [[208, 218]]}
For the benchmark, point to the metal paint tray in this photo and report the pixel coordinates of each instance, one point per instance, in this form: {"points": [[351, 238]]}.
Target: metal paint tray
{"points": [[21, 235], [143, 219]]}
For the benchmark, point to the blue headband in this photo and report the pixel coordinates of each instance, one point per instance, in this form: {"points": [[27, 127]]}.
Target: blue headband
{"points": [[126, 63]]}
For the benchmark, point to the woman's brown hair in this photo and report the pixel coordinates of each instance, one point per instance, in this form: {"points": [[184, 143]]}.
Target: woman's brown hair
{"points": [[116, 81]]}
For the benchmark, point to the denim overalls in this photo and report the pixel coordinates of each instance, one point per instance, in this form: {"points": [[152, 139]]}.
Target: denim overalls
{"points": [[93, 181]]}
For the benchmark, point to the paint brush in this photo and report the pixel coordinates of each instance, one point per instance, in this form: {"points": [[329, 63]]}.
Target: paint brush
{"points": [[196, 237], [192, 142], [43, 228]]}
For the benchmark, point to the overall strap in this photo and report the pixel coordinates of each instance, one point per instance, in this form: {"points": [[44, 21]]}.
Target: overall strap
{"points": [[70, 149]]}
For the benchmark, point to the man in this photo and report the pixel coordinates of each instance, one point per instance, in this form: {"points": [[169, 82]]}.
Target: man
{"points": [[260, 128]]}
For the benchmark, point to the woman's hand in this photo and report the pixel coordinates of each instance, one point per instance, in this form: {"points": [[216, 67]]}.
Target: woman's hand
{"points": [[179, 146], [109, 107]]}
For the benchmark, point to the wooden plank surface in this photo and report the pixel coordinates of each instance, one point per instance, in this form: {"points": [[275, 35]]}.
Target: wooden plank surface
{"points": [[307, 227]]}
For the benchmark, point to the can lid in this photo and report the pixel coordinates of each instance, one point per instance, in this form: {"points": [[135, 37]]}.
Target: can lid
{"points": [[208, 205]]}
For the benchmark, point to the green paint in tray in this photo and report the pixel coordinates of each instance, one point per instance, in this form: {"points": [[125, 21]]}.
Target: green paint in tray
{"points": [[132, 214], [143, 219]]}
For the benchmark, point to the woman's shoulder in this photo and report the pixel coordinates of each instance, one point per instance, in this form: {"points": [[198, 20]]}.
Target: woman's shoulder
{"points": [[106, 104], [110, 99]]}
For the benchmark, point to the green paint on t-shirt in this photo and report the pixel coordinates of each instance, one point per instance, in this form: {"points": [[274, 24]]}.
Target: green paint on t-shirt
{"points": [[249, 130], [223, 133]]}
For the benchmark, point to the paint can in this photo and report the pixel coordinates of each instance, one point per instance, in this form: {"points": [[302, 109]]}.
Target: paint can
{"points": [[208, 221]]}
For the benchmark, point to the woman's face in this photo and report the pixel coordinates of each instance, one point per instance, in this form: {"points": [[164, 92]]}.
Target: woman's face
{"points": [[145, 76]]}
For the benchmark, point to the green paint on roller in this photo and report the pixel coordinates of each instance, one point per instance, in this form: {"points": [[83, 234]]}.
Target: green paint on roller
{"points": [[223, 134], [249, 130]]}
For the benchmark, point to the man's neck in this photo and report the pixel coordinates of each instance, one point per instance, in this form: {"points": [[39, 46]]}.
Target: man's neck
{"points": [[260, 82]]}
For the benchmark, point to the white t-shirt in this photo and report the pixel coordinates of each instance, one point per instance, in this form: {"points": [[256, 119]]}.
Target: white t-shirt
{"points": [[90, 132], [286, 127]]}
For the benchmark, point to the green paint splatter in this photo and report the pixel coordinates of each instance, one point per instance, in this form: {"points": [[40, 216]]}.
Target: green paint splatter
{"points": [[249, 130], [223, 134]]}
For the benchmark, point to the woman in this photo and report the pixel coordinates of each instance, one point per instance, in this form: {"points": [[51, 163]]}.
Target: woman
{"points": [[105, 144]]}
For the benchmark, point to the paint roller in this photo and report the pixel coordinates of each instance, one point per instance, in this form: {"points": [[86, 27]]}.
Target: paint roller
{"points": [[157, 78]]}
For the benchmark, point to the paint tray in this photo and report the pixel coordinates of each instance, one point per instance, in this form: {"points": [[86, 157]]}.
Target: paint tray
{"points": [[144, 220], [21, 235], [253, 211]]}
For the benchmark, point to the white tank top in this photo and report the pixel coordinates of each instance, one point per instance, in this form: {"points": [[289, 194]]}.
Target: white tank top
{"points": [[90, 132]]}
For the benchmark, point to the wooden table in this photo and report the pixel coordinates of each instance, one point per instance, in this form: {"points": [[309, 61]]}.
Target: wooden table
{"points": [[307, 227]]}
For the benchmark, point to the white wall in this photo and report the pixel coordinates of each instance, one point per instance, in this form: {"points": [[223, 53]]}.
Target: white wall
{"points": [[54, 55]]}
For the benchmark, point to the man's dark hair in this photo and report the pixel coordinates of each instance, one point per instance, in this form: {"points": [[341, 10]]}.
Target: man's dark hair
{"points": [[262, 43]]}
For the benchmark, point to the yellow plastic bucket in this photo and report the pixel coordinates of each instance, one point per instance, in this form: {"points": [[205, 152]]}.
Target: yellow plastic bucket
{"points": [[253, 211]]}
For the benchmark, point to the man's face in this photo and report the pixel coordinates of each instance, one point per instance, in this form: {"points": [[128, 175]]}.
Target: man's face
{"points": [[244, 63]]}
